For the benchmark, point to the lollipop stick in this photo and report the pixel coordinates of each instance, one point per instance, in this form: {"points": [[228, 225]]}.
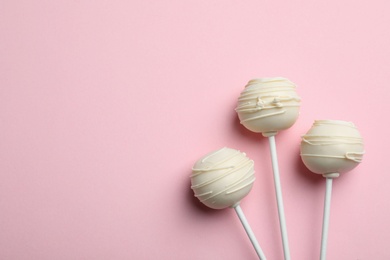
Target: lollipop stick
{"points": [[249, 232], [325, 223], [279, 198]]}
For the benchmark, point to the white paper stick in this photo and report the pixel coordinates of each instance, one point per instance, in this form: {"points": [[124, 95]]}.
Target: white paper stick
{"points": [[279, 198], [325, 222], [249, 232]]}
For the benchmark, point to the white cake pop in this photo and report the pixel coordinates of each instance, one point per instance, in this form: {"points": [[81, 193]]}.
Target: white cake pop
{"points": [[332, 147], [222, 178], [329, 148], [268, 105]]}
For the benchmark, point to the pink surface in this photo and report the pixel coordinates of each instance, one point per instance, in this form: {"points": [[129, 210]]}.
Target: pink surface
{"points": [[106, 105]]}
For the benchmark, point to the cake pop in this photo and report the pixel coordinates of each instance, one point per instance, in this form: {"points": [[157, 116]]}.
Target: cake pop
{"points": [[331, 147], [221, 179], [268, 105]]}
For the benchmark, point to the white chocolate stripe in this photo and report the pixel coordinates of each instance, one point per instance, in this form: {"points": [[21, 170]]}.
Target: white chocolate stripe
{"points": [[256, 109], [233, 169], [346, 156], [334, 142], [231, 186], [262, 116]]}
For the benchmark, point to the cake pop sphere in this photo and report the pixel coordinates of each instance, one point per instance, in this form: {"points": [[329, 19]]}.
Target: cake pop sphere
{"points": [[332, 147], [268, 105], [222, 178]]}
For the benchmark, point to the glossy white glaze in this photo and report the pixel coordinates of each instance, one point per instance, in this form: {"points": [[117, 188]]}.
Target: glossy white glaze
{"points": [[268, 105], [332, 146], [222, 178]]}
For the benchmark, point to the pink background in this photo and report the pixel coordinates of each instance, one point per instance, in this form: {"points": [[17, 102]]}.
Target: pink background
{"points": [[106, 105]]}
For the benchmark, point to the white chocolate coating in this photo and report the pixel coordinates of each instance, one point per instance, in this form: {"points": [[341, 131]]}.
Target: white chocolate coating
{"points": [[222, 178], [332, 147], [268, 105]]}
